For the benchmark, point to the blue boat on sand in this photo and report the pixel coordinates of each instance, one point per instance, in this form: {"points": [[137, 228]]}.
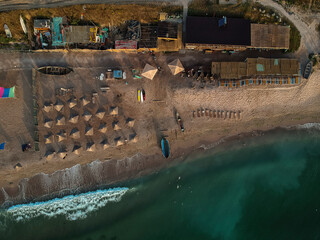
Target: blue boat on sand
{"points": [[165, 147]]}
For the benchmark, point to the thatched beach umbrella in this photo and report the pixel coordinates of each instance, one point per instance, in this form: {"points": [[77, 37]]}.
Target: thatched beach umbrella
{"points": [[86, 115], [100, 113], [58, 105], [133, 138], [48, 138], [91, 147], [62, 154], [130, 122], [47, 107], [72, 102], [176, 66], [114, 111], [149, 71], [49, 155], [102, 128], [74, 118], [105, 144], [48, 123], [77, 149], [116, 126], [88, 131], [60, 120], [75, 134], [84, 101], [118, 141], [61, 136]]}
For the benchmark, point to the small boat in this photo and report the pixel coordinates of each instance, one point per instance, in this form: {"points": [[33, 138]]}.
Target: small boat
{"points": [[55, 70], [139, 95], [179, 121], [165, 147], [23, 25], [7, 30], [307, 70]]}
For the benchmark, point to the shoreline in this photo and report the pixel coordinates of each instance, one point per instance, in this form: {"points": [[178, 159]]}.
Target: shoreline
{"points": [[35, 182]]}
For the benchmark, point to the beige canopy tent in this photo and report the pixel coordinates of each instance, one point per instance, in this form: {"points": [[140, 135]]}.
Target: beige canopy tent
{"points": [[61, 136], [84, 101], [100, 113], [86, 115], [77, 149], [89, 131], [62, 154], [72, 102], [149, 71], [61, 120], [75, 134], [48, 138], [48, 123], [58, 106], [130, 122], [118, 141], [176, 67], [49, 155], [133, 138], [47, 107], [91, 147], [105, 144], [103, 128], [116, 126], [114, 111], [74, 118]]}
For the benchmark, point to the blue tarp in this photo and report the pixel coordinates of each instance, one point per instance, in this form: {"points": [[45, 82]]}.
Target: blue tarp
{"points": [[117, 74], [2, 145]]}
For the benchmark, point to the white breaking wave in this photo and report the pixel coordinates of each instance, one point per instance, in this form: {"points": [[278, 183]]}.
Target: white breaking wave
{"points": [[74, 207], [309, 125]]}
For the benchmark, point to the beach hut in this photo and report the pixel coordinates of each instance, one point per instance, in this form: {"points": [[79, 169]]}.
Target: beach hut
{"points": [[114, 111], [58, 106], [60, 120], [176, 66], [91, 147], [105, 144], [116, 126], [48, 123], [72, 102], [49, 155], [102, 128], [118, 141], [77, 149], [84, 101], [86, 115], [48, 138], [130, 122], [100, 113], [61, 136], [88, 131], [62, 154], [47, 107], [74, 118], [133, 138], [75, 134], [149, 71]]}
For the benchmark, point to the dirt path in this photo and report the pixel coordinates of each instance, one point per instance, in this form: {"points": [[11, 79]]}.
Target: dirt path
{"points": [[309, 36]]}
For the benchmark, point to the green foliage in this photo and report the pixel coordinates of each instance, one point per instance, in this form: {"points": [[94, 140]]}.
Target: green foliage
{"points": [[295, 38]]}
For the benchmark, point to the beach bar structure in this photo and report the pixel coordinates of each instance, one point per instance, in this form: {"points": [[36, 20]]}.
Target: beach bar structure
{"points": [[169, 36]]}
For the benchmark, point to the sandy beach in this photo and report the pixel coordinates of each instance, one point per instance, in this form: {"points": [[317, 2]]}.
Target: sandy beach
{"points": [[261, 108]]}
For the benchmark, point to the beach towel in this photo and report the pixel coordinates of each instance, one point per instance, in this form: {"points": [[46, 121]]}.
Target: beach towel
{"points": [[7, 92]]}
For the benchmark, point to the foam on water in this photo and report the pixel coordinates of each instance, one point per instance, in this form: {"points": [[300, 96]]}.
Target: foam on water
{"points": [[309, 125], [73, 207]]}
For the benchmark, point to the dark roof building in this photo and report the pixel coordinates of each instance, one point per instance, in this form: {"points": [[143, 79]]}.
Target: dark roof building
{"points": [[217, 34], [149, 36], [168, 30]]}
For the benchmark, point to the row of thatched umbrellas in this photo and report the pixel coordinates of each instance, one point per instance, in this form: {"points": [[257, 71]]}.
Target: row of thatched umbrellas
{"points": [[150, 71], [90, 147], [59, 105]]}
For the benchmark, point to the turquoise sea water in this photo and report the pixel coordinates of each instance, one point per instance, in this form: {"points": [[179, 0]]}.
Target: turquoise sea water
{"points": [[265, 187]]}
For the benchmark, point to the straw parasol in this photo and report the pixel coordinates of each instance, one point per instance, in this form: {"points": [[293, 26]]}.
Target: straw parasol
{"points": [[61, 136], [118, 141], [130, 122], [86, 115], [58, 106], [176, 67], [77, 149], [133, 138], [84, 101], [100, 113], [48, 123], [49, 155], [102, 128], [62, 154], [60, 120], [91, 147], [74, 118], [72, 102], [105, 144], [114, 111], [88, 131], [75, 134], [116, 126], [149, 71], [48, 138], [47, 107]]}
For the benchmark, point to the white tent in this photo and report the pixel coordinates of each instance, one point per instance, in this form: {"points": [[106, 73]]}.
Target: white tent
{"points": [[149, 71], [176, 67]]}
